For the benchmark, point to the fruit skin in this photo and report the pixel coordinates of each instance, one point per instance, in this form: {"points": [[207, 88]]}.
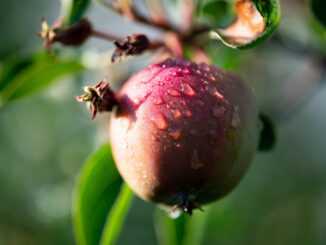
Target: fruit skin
{"points": [[183, 134]]}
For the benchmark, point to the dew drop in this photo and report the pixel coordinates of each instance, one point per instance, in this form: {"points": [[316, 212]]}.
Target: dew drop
{"points": [[125, 123], [212, 90], [186, 71], [178, 145], [235, 121], [187, 113], [153, 137], [205, 67], [218, 110], [213, 78], [175, 73], [177, 114], [195, 162], [173, 92], [173, 103], [125, 145], [160, 122], [187, 89], [158, 101], [175, 134]]}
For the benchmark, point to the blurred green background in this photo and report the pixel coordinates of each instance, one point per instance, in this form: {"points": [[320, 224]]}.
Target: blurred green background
{"points": [[45, 138]]}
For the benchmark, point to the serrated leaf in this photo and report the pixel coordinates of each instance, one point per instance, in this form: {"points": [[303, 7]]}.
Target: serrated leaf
{"points": [[267, 133], [255, 23], [76, 10], [318, 8], [30, 77], [98, 202]]}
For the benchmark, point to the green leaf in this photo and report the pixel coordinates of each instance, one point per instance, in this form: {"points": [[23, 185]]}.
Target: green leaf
{"points": [[11, 67], [99, 207], [318, 8], [182, 230], [30, 75], [267, 134], [256, 22], [169, 231], [117, 216], [76, 10], [219, 13]]}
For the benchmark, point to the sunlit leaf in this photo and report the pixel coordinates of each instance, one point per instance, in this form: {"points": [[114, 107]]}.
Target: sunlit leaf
{"points": [[318, 8], [255, 23], [32, 75], [117, 216], [267, 133], [101, 199], [75, 10]]}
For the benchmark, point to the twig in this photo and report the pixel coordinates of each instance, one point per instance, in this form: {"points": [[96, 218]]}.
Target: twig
{"points": [[127, 8]]}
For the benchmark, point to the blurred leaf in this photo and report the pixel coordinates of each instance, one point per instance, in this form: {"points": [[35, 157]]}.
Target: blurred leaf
{"points": [[267, 134], [219, 13], [256, 22], [169, 231], [117, 216], [29, 75], [318, 8], [182, 230], [11, 67], [76, 10], [97, 203]]}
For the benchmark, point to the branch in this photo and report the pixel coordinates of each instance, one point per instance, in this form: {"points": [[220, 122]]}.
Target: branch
{"points": [[127, 9]]}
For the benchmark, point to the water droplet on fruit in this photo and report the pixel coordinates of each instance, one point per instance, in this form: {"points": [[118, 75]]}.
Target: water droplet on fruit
{"points": [[212, 90], [153, 137], [218, 110], [195, 162], [125, 145], [173, 103], [186, 71], [205, 67], [187, 113], [159, 121], [125, 123], [235, 121], [173, 92], [158, 101], [187, 89], [175, 134], [177, 114], [174, 73], [178, 145]]}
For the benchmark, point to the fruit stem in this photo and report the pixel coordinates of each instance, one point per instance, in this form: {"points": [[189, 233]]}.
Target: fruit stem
{"points": [[186, 204], [106, 36], [127, 8], [100, 97]]}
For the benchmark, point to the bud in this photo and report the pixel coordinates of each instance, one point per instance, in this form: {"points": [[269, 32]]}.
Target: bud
{"points": [[74, 35], [130, 45]]}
